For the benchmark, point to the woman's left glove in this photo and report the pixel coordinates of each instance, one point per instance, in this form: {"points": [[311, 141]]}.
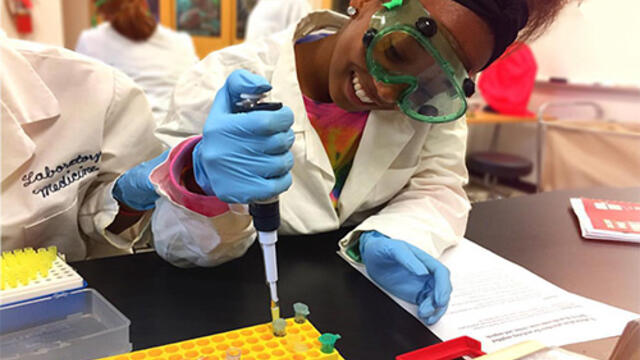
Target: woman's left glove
{"points": [[408, 273], [134, 189]]}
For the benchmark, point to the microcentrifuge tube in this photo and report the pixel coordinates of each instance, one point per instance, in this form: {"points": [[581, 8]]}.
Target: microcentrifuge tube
{"points": [[296, 344], [328, 342], [233, 353], [279, 326], [301, 312]]}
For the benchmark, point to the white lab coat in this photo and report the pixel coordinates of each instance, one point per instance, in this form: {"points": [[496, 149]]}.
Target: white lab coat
{"points": [[154, 64], [271, 16], [406, 180], [70, 127]]}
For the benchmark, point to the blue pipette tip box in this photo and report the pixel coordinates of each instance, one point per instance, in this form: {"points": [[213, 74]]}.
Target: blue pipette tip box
{"points": [[75, 325], [56, 317]]}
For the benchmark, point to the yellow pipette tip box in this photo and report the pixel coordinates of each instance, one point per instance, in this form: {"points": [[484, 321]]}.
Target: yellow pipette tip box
{"points": [[27, 274], [255, 342]]}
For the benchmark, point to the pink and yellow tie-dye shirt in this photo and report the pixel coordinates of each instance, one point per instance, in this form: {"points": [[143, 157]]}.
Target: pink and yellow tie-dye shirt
{"points": [[340, 132]]}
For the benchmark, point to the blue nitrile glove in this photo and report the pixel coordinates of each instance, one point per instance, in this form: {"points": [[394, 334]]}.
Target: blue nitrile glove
{"points": [[408, 273], [244, 157], [134, 188]]}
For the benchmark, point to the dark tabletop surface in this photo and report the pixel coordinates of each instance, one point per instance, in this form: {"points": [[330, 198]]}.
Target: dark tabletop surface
{"points": [[541, 233], [167, 304]]}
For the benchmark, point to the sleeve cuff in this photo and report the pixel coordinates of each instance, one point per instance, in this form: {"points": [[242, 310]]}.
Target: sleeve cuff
{"points": [[166, 178]]}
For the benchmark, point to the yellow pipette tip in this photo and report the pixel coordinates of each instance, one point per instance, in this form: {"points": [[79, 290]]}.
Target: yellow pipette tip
{"points": [[275, 311], [22, 266]]}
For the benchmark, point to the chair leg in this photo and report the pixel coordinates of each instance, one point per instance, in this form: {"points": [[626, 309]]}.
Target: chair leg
{"points": [[490, 182], [486, 180]]}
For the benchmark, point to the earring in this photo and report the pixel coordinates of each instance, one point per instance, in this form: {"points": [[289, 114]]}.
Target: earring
{"points": [[351, 11]]}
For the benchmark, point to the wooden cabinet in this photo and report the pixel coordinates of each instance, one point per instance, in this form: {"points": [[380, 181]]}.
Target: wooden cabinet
{"points": [[231, 15]]}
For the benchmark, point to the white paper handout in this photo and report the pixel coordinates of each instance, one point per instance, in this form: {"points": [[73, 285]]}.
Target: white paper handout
{"points": [[500, 304]]}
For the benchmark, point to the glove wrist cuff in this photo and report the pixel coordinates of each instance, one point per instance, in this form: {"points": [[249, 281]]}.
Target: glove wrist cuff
{"points": [[170, 180], [197, 173]]}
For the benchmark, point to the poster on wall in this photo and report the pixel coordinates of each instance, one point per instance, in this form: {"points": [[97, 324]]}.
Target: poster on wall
{"points": [[199, 17], [243, 9]]}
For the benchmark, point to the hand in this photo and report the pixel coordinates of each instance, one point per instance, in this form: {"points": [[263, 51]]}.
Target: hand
{"points": [[244, 157], [408, 273], [134, 189]]}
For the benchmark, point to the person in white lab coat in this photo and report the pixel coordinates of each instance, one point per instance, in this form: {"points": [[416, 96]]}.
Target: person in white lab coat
{"points": [[271, 16], [385, 156], [71, 128], [130, 40]]}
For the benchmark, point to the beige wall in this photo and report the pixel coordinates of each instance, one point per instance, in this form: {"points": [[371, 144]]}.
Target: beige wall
{"points": [[47, 23], [592, 41], [77, 17]]}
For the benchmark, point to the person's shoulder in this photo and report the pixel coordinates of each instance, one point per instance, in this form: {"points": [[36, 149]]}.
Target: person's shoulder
{"points": [[167, 34], [42, 51], [58, 65], [91, 41], [260, 57], [97, 32], [174, 42], [266, 50]]}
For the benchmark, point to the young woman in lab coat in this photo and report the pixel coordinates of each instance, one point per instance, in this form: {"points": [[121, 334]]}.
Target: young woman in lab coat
{"points": [[71, 128], [372, 135], [132, 41]]}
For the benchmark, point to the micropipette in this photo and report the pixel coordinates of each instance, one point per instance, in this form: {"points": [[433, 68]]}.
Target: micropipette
{"points": [[266, 213]]}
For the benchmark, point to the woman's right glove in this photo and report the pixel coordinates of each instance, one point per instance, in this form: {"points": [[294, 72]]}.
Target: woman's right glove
{"points": [[244, 157]]}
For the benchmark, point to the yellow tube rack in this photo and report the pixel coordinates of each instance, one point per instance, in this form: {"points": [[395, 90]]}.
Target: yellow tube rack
{"points": [[22, 266], [256, 343]]}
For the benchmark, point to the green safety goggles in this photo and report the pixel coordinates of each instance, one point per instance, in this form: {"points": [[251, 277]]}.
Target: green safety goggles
{"points": [[406, 48]]}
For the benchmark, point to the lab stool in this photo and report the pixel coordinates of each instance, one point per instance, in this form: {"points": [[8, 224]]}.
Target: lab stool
{"points": [[495, 166]]}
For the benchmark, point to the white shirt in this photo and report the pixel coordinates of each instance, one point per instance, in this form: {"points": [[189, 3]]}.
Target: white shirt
{"points": [[70, 127], [154, 64], [271, 16], [406, 180]]}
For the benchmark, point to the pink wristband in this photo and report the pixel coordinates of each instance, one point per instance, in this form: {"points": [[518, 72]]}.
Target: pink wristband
{"points": [[167, 178]]}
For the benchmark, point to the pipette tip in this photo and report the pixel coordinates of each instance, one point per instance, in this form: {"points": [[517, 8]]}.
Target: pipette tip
{"points": [[275, 310]]}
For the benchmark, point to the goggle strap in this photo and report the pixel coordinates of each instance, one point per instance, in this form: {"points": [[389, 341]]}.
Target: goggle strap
{"points": [[368, 36], [469, 87]]}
